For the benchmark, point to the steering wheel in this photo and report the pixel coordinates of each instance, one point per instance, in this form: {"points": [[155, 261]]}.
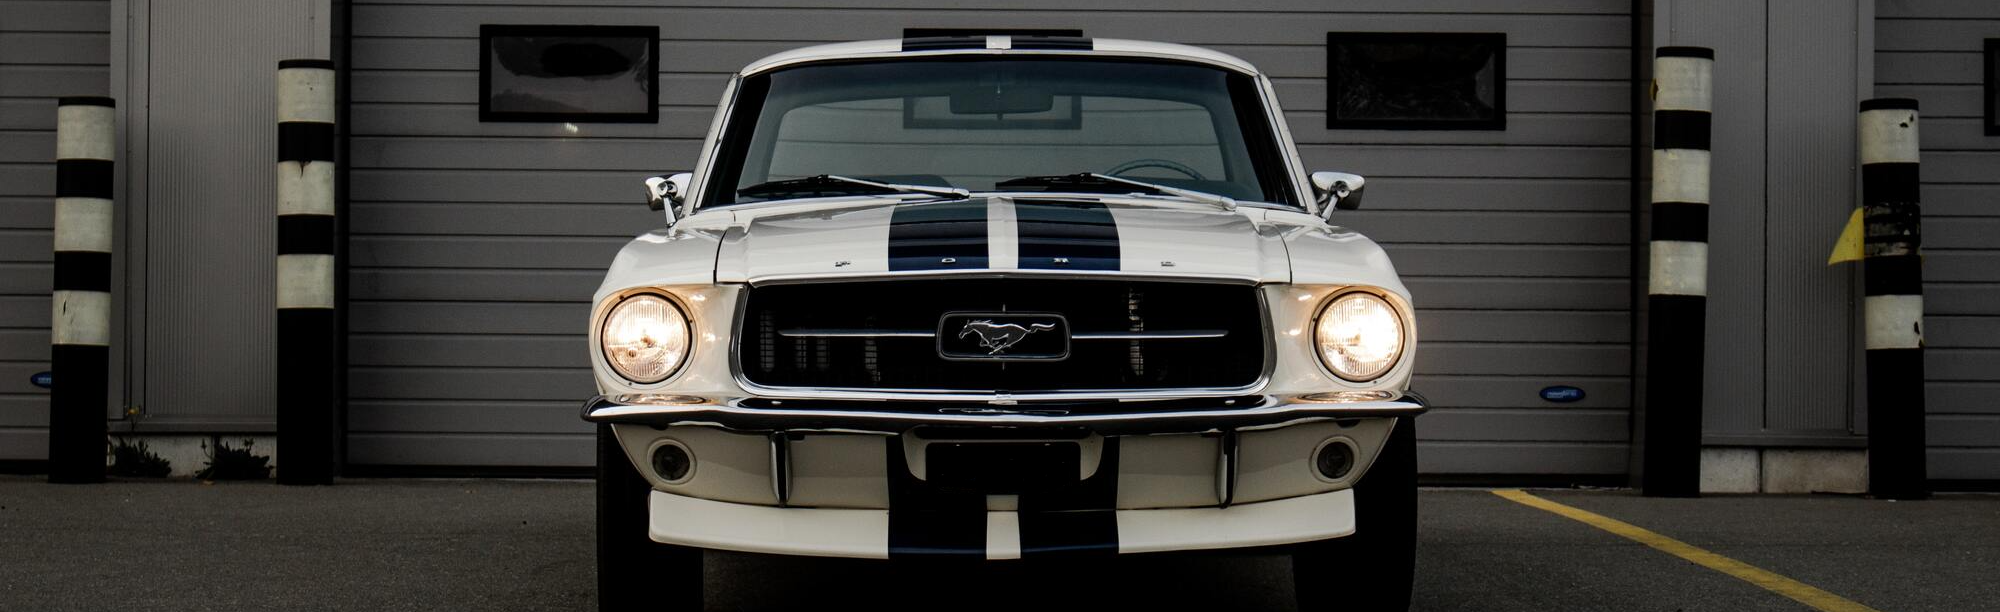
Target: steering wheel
{"points": [[1162, 164]]}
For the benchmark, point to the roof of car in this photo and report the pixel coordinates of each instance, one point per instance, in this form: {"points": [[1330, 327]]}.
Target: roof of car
{"points": [[914, 47]]}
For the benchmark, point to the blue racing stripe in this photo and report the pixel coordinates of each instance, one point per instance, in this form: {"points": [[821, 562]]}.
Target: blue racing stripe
{"points": [[1067, 235], [1078, 519], [926, 521], [938, 236]]}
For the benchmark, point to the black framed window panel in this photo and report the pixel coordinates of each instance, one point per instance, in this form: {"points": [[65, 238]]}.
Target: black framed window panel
{"points": [[1993, 87], [962, 32], [569, 73], [1416, 81]]}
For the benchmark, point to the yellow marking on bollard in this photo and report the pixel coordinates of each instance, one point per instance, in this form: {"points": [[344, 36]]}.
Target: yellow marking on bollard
{"points": [[1848, 247], [1764, 579]]}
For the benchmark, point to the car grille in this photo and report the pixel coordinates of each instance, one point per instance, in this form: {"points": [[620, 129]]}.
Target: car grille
{"points": [[882, 335]]}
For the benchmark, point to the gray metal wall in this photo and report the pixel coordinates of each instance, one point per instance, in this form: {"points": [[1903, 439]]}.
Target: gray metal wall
{"points": [[1930, 50], [475, 246], [47, 50]]}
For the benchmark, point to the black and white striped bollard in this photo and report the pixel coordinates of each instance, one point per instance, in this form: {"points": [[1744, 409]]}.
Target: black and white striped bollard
{"points": [[1678, 285], [308, 315], [80, 334], [1892, 269]]}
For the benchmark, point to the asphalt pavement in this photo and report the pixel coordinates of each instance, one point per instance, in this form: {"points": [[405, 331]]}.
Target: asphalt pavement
{"points": [[527, 545]]}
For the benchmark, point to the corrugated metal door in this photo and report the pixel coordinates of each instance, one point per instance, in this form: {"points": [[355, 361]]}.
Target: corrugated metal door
{"points": [[202, 193], [1781, 358], [476, 245]]}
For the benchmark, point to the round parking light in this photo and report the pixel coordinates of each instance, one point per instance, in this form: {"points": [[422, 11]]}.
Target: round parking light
{"points": [[1334, 460], [672, 462]]}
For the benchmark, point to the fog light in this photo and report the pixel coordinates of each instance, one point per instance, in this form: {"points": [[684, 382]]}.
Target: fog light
{"points": [[671, 462], [1335, 460]]}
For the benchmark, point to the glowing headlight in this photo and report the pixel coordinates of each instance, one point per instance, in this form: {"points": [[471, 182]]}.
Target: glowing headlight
{"points": [[1359, 336], [645, 338]]}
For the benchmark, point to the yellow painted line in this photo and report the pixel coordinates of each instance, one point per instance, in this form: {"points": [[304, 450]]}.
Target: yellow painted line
{"points": [[1797, 591]]}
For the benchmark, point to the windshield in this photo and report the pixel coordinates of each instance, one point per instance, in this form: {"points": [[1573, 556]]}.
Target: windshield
{"points": [[972, 123]]}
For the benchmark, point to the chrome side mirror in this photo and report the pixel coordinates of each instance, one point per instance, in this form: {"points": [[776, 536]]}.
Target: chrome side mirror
{"points": [[666, 192], [1340, 190]]}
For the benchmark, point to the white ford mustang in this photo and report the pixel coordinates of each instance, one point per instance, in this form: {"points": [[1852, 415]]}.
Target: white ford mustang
{"points": [[1003, 297]]}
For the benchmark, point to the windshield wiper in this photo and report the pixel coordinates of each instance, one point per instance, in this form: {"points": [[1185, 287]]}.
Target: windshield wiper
{"points": [[828, 184], [1094, 182]]}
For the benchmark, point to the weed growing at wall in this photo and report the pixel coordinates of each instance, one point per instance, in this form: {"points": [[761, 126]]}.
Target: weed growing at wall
{"points": [[234, 463], [132, 458]]}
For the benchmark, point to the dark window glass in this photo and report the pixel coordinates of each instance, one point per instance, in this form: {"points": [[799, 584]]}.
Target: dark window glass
{"points": [[569, 73], [934, 32], [1993, 87], [1404, 81]]}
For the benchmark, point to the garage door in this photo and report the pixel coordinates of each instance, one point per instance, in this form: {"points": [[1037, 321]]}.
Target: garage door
{"points": [[50, 49], [1931, 52], [476, 244]]}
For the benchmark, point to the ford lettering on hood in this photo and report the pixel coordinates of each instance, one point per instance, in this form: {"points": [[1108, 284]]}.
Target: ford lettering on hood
{"points": [[1002, 234]]}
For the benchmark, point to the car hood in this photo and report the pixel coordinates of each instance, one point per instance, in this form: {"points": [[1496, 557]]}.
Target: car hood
{"points": [[1002, 234], [1012, 235]]}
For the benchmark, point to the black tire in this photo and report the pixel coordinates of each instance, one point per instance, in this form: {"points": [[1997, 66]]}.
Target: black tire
{"points": [[633, 571], [1374, 569]]}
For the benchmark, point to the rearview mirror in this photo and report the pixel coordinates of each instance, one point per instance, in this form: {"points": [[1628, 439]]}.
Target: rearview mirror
{"points": [[666, 192], [1337, 190], [990, 100]]}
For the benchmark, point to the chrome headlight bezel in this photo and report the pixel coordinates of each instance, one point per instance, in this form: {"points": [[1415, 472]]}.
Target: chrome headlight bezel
{"points": [[611, 312], [1402, 329]]}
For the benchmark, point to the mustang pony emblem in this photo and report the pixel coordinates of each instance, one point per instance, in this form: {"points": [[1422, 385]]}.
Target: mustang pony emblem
{"points": [[999, 337]]}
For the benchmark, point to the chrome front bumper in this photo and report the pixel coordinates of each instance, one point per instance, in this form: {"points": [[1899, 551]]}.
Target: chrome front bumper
{"points": [[893, 417], [888, 478]]}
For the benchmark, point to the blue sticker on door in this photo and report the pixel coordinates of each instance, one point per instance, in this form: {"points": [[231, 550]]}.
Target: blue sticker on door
{"points": [[1562, 394]]}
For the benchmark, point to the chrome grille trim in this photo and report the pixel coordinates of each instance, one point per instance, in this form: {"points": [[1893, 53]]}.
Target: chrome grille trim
{"points": [[740, 350], [1190, 334]]}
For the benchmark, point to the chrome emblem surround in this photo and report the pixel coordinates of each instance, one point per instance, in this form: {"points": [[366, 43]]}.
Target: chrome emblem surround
{"points": [[990, 335], [999, 336]]}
